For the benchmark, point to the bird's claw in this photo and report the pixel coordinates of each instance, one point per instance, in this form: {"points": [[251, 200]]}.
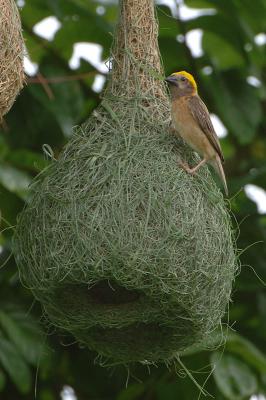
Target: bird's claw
{"points": [[186, 167]]}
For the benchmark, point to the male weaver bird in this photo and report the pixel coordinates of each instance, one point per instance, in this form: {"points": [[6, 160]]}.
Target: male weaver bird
{"points": [[192, 121]]}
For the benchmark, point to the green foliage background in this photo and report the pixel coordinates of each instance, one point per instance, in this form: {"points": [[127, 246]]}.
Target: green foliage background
{"points": [[32, 357]]}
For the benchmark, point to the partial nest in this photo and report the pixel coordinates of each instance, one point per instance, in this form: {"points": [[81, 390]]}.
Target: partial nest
{"points": [[11, 55], [125, 250]]}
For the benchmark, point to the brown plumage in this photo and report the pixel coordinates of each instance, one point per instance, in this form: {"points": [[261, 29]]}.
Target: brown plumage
{"points": [[192, 121]]}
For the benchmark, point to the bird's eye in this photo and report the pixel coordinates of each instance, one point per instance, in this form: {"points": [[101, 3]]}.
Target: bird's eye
{"points": [[183, 78]]}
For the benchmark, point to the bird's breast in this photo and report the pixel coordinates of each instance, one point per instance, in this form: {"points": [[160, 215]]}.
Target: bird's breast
{"points": [[189, 129]]}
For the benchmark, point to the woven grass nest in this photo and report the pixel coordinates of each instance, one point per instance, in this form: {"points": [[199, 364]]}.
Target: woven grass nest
{"points": [[124, 249], [11, 55]]}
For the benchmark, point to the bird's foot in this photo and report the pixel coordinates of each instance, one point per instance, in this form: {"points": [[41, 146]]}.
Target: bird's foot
{"points": [[172, 130], [186, 167], [189, 170]]}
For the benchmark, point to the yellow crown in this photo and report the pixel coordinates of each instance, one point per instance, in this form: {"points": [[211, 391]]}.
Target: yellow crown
{"points": [[189, 77]]}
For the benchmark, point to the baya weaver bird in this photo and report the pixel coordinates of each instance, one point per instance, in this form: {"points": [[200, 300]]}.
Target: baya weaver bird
{"points": [[192, 121]]}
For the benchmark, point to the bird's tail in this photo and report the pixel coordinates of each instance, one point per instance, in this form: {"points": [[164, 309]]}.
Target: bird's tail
{"points": [[217, 164]]}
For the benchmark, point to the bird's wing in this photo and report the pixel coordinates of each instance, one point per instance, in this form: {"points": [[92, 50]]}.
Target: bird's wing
{"points": [[201, 115]]}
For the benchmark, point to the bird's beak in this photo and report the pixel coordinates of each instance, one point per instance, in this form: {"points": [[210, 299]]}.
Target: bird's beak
{"points": [[170, 79]]}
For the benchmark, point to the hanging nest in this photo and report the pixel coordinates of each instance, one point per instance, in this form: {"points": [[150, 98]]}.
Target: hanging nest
{"points": [[124, 249], [11, 55]]}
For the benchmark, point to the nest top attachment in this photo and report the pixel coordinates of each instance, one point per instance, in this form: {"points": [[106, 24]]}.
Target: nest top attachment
{"points": [[136, 69], [11, 55]]}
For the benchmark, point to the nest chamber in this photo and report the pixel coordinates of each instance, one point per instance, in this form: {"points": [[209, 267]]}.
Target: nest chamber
{"points": [[124, 250]]}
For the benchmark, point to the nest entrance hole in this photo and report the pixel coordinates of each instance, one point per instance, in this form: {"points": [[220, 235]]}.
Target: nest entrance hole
{"points": [[105, 293]]}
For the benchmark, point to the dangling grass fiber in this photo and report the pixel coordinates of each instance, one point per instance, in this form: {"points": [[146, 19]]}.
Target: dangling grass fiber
{"points": [[123, 248], [11, 55]]}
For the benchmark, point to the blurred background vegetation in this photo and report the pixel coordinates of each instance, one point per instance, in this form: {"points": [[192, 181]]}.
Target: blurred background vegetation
{"points": [[230, 66]]}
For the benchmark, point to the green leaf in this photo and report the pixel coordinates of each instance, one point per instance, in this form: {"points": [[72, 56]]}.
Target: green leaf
{"points": [[14, 180], [247, 351], [15, 366], [233, 35], [35, 47], [132, 392], [42, 126], [200, 3], [2, 380], [34, 11], [27, 159], [228, 58], [170, 48], [237, 104], [47, 394], [252, 15], [11, 204], [61, 105], [24, 333], [168, 26], [169, 391], [81, 28], [234, 378]]}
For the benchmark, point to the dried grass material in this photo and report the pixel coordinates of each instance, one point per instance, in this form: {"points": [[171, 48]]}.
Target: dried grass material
{"points": [[11, 55], [135, 56], [123, 248]]}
